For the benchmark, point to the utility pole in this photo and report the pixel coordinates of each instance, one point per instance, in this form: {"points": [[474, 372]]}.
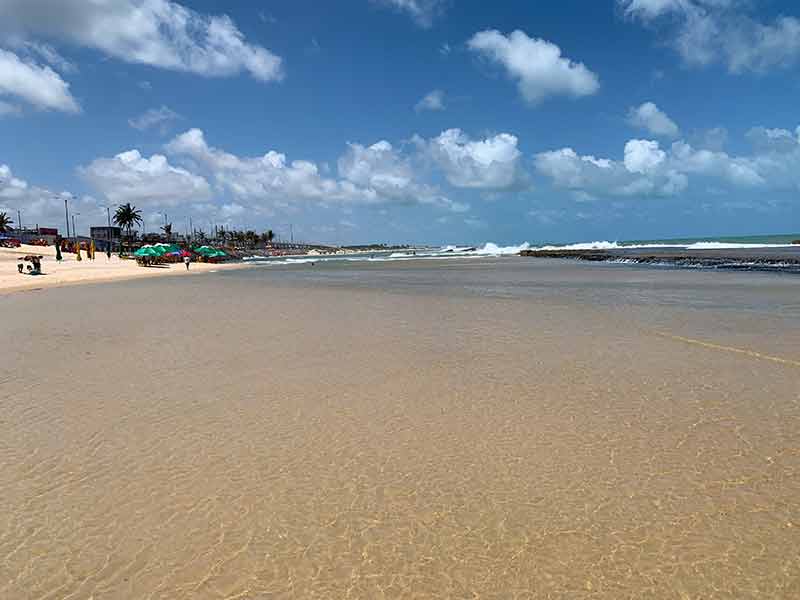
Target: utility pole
{"points": [[291, 233], [191, 229], [66, 215], [19, 220], [108, 233]]}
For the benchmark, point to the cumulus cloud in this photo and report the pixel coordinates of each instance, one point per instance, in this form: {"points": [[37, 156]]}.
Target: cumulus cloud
{"points": [[422, 11], [490, 164], [375, 174], [648, 170], [381, 168], [536, 65], [36, 84], [652, 119], [130, 177], [765, 139], [41, 205], [708, 31], [592, 177], [431, 101], [643, 156], [154, 117], [159, 33]]}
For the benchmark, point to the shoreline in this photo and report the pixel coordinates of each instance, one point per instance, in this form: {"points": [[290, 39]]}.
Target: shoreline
{"points": [[70, 272]]}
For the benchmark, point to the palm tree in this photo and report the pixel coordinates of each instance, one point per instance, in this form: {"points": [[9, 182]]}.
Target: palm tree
{"points": [[5, 221], [267, 236], [127, 216], [167, 229]]}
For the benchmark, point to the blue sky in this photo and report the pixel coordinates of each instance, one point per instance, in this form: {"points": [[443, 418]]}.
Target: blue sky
{"points": [[407, 120]]}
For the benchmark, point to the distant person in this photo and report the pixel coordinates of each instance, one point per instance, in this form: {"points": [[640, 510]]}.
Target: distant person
{"points": [[186, 261]]}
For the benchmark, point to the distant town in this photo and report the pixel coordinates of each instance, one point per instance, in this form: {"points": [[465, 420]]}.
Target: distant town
{"points": [[124, 233]]}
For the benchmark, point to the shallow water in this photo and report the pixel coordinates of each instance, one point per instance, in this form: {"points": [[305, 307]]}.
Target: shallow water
{"points": [[498, 428]]}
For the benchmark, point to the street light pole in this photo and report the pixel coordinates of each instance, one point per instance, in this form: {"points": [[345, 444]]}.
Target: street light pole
{"points": [[66, 215], [108, 233], [75, 236]]}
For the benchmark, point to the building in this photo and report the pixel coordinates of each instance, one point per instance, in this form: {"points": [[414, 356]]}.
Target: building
{"points": [[36, 235], [102, 234]]}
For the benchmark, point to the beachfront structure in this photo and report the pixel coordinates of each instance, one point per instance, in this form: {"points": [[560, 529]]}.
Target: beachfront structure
{"points": [[34, 234], [102, 234]]}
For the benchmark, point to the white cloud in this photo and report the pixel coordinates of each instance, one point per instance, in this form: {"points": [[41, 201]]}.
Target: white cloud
{"points": [[708, 31], [537, 65], [431, 101], [643, 156], [9, 110], [159, 33], [648, 170], [739, 171], [374, 174], [43, 52], [381, 168], [765, 139], [130, 177], [154, 117], [490, 163], [710, 139], [641, 173], [42, 206], [35, 84], [11, 188], [649, 117], [422, 11]]}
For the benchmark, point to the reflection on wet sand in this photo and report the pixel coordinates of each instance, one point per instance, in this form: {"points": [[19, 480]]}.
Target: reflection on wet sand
{"points": [[260, 440]]}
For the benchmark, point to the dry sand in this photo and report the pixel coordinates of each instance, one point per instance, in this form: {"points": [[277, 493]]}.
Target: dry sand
{"points": [[71, 271], [238, 436]]}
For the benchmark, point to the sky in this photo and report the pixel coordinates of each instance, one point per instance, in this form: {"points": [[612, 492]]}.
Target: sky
{"points": [[406, 121]]}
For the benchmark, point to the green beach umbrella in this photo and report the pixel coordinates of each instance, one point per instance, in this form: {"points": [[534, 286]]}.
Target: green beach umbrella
{"points": [[147, 251]]}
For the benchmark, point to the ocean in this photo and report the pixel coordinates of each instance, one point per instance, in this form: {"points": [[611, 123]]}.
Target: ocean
{"points": [[774, 253]]}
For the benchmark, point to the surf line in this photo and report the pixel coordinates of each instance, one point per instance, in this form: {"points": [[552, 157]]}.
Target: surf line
{"points": [[745, 351]]}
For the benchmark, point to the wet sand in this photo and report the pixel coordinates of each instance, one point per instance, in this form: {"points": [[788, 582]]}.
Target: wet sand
{"points": [[276, 433]]}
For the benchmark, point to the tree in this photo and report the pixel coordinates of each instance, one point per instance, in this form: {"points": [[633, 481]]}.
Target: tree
{"points": [[268, 236], [167, 229], [127, 216], [5, 221]]}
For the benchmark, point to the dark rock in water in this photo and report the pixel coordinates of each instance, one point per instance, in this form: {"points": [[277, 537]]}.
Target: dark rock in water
{"points": [[745, 260], [796, 242]]}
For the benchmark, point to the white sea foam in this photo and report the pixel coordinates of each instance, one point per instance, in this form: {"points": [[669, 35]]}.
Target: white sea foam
{"points": [[606, 245], [733, 246]]}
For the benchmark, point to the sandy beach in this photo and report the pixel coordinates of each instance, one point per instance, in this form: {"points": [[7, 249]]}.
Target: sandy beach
{"points": [[71, 271], [495, 429]]}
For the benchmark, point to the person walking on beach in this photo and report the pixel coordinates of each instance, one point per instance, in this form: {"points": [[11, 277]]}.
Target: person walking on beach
{"points": [[186, 261]]}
